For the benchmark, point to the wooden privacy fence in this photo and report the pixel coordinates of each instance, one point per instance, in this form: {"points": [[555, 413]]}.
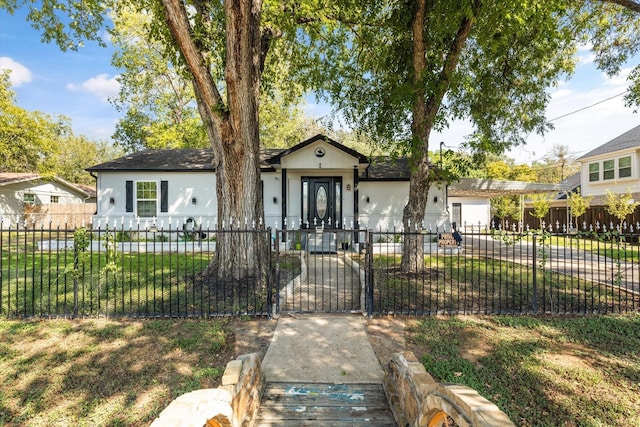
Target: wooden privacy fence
{"points": [[134, 271]]}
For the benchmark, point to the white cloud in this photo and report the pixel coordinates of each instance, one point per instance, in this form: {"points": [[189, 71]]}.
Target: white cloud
{"points": [[19, 73], [102, 86]]}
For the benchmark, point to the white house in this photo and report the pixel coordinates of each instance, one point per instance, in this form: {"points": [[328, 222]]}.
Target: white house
{"points": [[318, 181], [33, 197], [613, 166]]}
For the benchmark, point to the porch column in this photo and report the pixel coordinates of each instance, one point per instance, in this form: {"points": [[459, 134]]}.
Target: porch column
{"points": [[356, 200], [283, 198]]}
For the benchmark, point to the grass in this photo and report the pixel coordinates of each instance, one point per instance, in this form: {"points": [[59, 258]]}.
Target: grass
{"points": [[579, 371], [563, 371], [462, 284], [610, 245], [105, 373]]}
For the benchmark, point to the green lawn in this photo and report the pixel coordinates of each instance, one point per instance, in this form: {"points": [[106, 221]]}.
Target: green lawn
{"points": [[105, 373], [463, 284], [40, 283], [579, 371], [609, 245], [563, 371]]}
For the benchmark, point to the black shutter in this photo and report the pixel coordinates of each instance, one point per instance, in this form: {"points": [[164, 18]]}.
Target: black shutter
{"points": [[129, 196], [164, 196]]}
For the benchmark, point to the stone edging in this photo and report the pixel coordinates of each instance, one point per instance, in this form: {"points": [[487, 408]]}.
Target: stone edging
{"points": [[416, 399], [235, 403]]}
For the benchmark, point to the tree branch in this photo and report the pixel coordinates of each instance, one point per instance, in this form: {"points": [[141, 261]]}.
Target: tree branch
{"points": [[178, 23], [629, 4], [452, 58]]}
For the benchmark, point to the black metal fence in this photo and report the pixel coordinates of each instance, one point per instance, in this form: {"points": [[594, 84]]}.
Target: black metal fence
{"points": [[504, 272], [129, 272]]}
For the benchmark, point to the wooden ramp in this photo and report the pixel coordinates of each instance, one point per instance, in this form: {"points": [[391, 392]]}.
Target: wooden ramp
{"points": [[313, 404]]}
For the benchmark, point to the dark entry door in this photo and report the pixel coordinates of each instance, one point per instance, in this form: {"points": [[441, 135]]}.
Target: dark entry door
{"points": [[322, 201]]}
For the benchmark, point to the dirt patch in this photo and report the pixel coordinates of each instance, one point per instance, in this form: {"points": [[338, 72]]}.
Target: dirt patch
{"points": [[253, 336], [386, 335]]}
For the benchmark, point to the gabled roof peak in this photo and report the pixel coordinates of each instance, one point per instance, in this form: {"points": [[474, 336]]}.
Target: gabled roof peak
{"points": [[629, 139]]}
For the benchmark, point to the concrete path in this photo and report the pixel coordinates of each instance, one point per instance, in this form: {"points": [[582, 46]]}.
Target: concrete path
{"points": [[323, 349]]}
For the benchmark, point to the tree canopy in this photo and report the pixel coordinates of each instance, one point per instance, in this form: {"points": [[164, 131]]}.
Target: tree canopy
{"points": [[31, 141], [396, 69]]}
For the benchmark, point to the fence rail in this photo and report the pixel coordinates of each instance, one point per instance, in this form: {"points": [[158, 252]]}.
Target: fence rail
{"points": [[136, 272]]}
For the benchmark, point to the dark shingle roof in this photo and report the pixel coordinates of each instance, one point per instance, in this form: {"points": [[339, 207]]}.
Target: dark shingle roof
{"points": [[629, 139], [387, 169], [187, 159]]}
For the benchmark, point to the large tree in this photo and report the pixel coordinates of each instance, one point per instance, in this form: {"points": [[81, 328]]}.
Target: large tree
{"points": [[414, 66], [159, 101], [223, 48]]}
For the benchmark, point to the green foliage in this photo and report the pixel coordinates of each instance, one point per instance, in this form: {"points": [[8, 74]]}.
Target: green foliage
{"points": [[158, 97], [76, 153], [611, 29], [506, 207], [26, 138], [36, 142], [620, 205], [541, 204], [579, 205], [558, 164]]}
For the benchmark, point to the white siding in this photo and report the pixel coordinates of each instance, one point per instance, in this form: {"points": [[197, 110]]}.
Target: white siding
{"points": [[382, 204], [616, 185], [307, 160], [475, 210], [183, 187]]}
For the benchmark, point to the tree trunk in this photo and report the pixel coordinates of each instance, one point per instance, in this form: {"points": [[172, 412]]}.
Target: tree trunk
{"points": [[413, 215], [233, 130], [425, 110]]}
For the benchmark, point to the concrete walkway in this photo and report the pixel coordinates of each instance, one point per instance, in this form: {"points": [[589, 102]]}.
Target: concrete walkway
{"points": [[321, 348]]}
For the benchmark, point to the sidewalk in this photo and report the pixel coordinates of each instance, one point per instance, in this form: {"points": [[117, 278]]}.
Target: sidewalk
{"points": [[321, 348]]}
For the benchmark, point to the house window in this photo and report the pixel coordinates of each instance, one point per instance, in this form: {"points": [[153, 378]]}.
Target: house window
{"points": [[594, 172], [608, 169], [147, 198], [29, 198], [55, 199], [624, 167]]}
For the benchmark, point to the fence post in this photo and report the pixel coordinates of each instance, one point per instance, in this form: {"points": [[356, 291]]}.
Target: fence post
{"points": [[369, 271], [75, 279], [274, 293], [535, 276]]}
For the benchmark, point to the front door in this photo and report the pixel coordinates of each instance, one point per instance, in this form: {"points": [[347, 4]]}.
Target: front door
{"points": [[322, 201]]}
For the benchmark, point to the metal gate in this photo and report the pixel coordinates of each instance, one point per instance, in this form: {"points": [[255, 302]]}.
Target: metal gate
{"points": [[319, 270]]}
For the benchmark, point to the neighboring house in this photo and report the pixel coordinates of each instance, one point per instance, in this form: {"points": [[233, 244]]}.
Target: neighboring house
{"points": [[31, 197], [469, 198], [613, 166]]}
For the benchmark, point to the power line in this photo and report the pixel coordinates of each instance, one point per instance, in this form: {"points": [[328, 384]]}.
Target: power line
{"points": [[587, 107]]}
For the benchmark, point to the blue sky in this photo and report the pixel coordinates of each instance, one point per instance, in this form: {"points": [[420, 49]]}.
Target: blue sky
{"points": [[78, 85]]}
